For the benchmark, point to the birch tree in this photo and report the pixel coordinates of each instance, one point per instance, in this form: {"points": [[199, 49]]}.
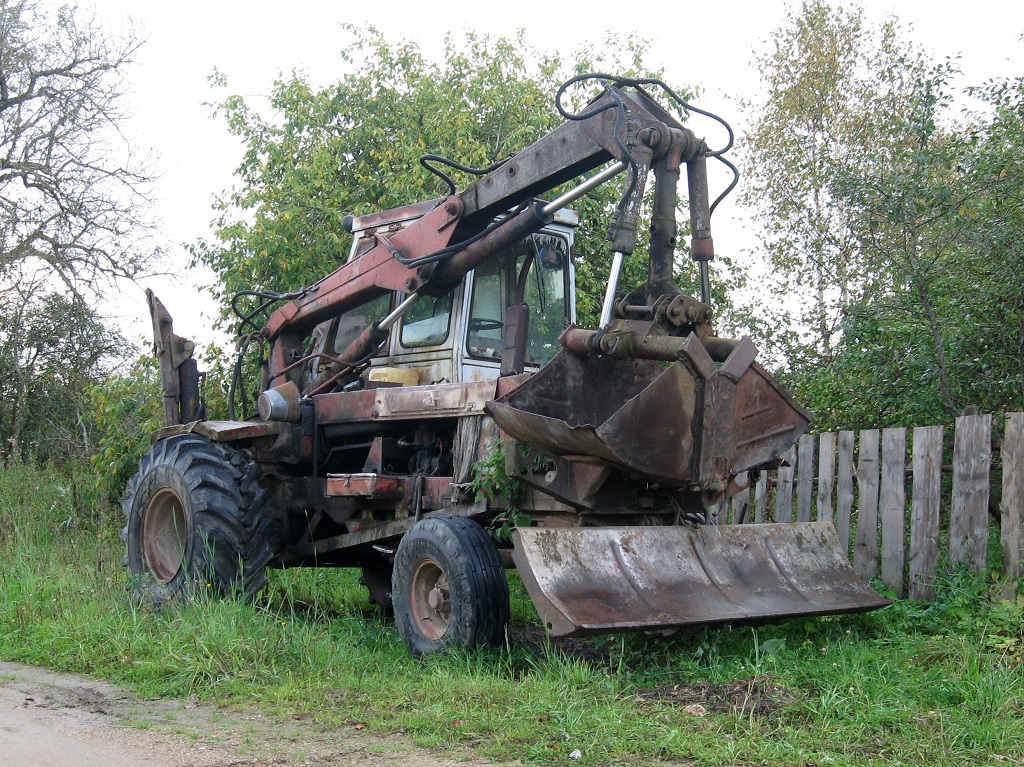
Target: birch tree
{"points": [[831, 82]]}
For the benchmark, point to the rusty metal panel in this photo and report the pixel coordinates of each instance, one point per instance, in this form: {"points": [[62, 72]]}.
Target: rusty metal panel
{"points": [[562, 409], [404, 402], [639, 417], [223, 431], [364, 485], [344, 407], [664, 424], [528, 172], [392, 218], [436, 492], [507, 384], [768, 421], [433, 401], [594, 580]]}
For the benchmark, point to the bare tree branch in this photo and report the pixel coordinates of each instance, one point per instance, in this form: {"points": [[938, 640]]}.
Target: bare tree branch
{"points": [[71, 195]]}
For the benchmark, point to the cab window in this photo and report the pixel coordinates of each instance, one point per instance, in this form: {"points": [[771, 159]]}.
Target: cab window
{"points": [[496, 286], [427, 322], [331, 338], [349, 325]]}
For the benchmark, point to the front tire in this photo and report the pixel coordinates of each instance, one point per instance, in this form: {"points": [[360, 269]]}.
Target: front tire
{"points": [[195, 522], [449, 587]]}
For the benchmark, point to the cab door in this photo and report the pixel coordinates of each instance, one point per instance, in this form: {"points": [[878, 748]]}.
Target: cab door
{"points": [[536, 272]]}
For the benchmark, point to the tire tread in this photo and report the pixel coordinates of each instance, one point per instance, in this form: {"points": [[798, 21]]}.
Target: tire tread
{"points": [[467, 554], [234, 540]]}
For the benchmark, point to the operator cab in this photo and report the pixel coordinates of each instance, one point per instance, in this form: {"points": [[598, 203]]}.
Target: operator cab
{"points": [[459, 336]]}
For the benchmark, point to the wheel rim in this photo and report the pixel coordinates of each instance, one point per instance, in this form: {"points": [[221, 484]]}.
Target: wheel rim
{"points": [[431, 600], [163, 534]]}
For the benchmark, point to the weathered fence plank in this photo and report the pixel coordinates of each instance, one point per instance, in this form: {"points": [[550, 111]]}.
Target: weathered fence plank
{"points": [[826, 475], [844, 489], [879, 476], [924, 516], [761, 497], [784, 488], [892, 507], [805, 479], [1011, 507], [968, 522], [865, 550]]}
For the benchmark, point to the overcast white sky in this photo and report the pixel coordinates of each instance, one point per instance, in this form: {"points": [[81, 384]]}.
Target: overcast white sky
{"points": [[251, 41]]}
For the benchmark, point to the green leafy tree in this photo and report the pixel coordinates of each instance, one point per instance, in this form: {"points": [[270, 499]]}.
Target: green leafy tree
{"points": [[934, 325], [73, 202], [992, 268], [51, 350], [354, 147], [912, 208], [124, 409], [890, 223], [939, 212]]}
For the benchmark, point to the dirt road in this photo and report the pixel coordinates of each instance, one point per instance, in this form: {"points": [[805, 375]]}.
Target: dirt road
{"points": [[60, 720]]}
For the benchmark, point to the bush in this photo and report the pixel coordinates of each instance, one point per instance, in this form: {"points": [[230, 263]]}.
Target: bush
{"points": [[124, 410]]}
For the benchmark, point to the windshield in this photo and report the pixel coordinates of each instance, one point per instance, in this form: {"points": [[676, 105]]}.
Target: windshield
{"points": [[544, 284]]}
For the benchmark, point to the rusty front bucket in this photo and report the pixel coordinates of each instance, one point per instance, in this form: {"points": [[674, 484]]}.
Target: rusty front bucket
{"points": [[597, 580], [688, 422]]}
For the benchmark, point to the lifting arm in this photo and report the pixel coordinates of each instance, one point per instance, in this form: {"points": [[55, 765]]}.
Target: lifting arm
{"points": [[434, 253]]}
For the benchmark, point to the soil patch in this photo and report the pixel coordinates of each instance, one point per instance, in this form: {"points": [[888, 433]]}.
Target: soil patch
{"points": [[753, 695]]}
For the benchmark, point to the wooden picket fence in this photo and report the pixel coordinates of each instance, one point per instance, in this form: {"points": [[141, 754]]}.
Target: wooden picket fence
{"points": [[895, 515]]}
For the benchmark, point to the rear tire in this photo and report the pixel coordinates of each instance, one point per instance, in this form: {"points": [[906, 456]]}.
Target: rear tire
{"points": [[196, 522], [449, 587]]}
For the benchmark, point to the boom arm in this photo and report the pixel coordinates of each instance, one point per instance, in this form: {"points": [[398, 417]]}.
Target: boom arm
{"points": [[625, 126]]}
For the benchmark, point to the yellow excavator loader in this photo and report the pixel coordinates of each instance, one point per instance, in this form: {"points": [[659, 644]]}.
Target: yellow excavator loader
{"points": [[430, 413]]}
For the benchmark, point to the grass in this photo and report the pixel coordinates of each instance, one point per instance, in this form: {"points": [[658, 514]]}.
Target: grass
{"points": [[937, 684]]}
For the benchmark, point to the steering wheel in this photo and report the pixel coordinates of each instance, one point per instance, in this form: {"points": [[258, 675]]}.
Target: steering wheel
{"points": [[478, 324]]}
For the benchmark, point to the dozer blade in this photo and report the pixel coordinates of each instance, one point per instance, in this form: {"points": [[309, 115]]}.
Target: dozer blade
{"points": [[597, 580]]}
